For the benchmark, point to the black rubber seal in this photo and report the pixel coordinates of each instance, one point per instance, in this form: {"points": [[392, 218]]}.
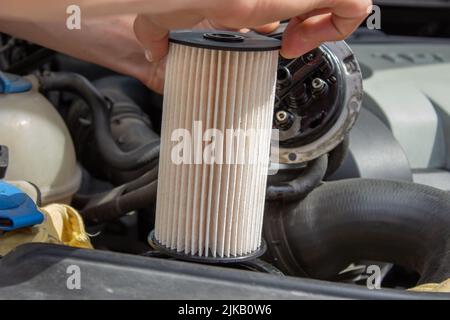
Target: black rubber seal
{"points": [[223, 37], [210, 260], [224, 40]]}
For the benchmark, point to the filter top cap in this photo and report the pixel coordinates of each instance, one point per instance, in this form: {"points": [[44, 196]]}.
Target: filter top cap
{"points": [[224, 40]]}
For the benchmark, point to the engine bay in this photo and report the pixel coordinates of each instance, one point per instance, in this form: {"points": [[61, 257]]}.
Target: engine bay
{"points": [[359, 181]]}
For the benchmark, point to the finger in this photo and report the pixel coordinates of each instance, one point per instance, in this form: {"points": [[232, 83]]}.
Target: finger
{"points": [[267, 28], [302, 36], [316, 12], [207, 24], [153, 37], [241, 13]]}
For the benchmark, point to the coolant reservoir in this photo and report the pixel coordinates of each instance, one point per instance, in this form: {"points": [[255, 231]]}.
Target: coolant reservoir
{"points": [[40, 147]]}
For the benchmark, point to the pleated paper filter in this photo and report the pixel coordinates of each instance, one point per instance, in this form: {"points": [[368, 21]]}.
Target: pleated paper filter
{"points": [[215, 145]]}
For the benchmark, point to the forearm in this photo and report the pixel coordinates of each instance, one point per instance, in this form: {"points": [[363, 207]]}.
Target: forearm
{"points": [[92, 42], [50, 10], [107, 41]]}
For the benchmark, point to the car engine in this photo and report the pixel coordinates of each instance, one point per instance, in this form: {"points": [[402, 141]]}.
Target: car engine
{"points": [[349, 192]]}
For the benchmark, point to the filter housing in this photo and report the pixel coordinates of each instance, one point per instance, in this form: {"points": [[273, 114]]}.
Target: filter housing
{"points": [[215, 144]]}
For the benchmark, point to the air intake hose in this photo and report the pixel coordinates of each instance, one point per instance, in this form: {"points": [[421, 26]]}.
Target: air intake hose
{"points": [[362, 219], [108, 148]]}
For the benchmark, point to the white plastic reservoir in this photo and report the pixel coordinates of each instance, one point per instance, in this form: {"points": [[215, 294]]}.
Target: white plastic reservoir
{"points": [[41, 150]]}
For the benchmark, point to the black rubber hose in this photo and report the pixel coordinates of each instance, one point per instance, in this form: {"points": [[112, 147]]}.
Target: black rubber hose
{"points": [[337, 156], [143, 180], [138, 199], [113, 204], [303, 184], [80, 201], [109, 150], [362, 219], [116, 204]]}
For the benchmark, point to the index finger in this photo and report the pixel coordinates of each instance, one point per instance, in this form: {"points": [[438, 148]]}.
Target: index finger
{"points": [[308, 31]]}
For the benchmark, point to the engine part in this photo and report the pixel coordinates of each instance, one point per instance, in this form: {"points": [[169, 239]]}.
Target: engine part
{"points": [[303, 183], [40, 148], [362, 219], [108, 206], [28, 188], [66, 226], [337, 156], [10, 83], [3, 161], [130, 129], [212, 210], [256, 265], [108, 148], [406, 87], [22, 57], [61, 224], [374, 153], [318, 99], [17, 209], [44, 266], [433, 287]]}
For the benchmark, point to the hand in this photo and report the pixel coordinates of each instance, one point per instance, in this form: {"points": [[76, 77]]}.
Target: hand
{"points": [[108, 39], [313, 21], [153, 74]]}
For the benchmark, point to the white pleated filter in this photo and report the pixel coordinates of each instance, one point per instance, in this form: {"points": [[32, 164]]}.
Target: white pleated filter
{"points": [[215, 209]]}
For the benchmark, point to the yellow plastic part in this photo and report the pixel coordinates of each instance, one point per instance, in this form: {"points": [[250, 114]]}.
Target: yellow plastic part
{"points": [[68, 226], [62, 225], [433, 287]]}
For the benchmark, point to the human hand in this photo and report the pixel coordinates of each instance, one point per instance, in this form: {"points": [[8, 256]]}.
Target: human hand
{"points": [[110, 41], [152, 75], [312, 21]]}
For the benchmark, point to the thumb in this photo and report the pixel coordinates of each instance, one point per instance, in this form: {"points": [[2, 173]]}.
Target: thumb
{"points": [[153, 31], [152, 36]]}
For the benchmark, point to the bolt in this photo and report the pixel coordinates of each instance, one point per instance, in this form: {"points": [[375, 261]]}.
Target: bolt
{"points": [[281, 116], [283, 119], [310, 57], [284, 76], [319, 86]]}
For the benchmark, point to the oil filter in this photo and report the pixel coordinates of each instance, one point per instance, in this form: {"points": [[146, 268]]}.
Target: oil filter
{"points": [[215, 145]]}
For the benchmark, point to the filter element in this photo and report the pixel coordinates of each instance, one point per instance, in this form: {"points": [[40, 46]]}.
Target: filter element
{"points": [[215, 145]]}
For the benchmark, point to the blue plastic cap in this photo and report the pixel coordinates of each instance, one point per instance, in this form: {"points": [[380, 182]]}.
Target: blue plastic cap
{"points": [[17, 209], [10, 83]]}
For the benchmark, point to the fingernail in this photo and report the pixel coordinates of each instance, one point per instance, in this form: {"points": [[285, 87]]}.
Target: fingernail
{"points": [[148, 55]]}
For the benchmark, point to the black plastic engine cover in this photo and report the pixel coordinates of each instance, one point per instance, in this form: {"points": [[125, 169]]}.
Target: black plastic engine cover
{"points": [[39, 271]]}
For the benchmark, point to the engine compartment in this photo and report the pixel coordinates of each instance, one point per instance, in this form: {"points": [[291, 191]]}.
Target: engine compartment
{"points": [[363, 179]]}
